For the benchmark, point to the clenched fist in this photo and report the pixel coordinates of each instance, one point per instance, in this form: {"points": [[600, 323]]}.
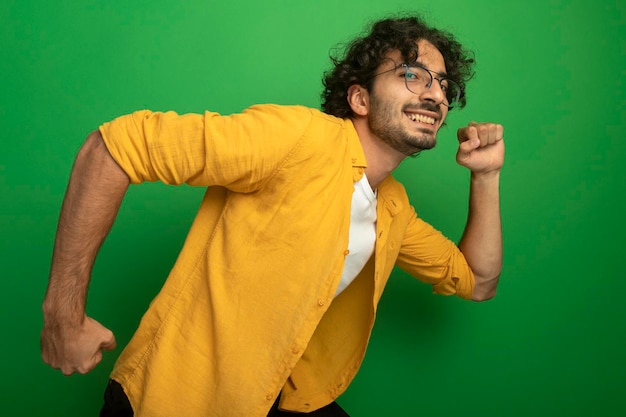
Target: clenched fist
{"points": [[481, 147], [75, 348]]}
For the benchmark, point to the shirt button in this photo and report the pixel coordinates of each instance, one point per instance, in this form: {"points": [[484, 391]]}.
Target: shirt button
{"points": [[295, 350], [346, 252], [321, 302], [269, 397]]}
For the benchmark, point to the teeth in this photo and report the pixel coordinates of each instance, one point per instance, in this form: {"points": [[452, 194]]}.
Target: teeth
{"points": [[421, 118]]}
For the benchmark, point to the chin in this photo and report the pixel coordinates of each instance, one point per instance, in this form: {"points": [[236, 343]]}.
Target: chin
{"points": [[422, 143]]}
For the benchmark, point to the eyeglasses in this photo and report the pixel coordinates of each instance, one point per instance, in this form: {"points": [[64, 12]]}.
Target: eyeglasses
{"points": [[416, 78]]}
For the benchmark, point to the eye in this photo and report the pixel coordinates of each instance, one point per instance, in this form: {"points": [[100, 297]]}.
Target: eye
{"points": [[410, 75], [418, 75]]}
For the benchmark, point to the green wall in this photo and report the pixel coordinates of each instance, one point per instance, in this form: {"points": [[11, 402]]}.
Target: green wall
{"points": [[552, 342]]}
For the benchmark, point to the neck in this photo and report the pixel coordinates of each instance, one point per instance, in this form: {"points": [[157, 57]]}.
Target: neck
{"points": [[381, 158]]}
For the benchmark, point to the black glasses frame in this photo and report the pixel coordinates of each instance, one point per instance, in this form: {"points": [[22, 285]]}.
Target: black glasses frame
{"points": [[451, 101]]}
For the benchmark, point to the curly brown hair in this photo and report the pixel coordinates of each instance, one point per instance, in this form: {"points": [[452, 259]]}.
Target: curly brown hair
{"points": [[364, 55]]}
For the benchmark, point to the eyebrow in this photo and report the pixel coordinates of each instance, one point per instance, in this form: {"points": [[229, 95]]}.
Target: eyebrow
{"points": [[419, 64]]}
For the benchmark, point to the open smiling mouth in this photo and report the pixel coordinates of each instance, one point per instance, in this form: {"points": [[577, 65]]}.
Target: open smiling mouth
{"points": [[421, 118]]}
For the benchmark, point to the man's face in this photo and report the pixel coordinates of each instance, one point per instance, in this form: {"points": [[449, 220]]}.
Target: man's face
{"points": [[408, 122]]}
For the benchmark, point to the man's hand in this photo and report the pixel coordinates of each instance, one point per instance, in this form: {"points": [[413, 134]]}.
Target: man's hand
{"points": [[75, 348], [481, 148]]}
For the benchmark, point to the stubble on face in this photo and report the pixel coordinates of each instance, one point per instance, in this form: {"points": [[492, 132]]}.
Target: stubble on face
{"points": [[393, 107], [386, 123]]}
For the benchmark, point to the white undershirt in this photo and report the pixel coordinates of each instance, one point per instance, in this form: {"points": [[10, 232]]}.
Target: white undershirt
{"points": [[362, 237]]}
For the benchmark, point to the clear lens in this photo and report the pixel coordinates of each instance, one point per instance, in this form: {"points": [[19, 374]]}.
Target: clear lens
{"points": [[453, 92], [418, 78]]}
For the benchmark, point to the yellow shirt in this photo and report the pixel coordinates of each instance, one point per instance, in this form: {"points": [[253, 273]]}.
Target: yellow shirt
{"points": [[248, 311]]}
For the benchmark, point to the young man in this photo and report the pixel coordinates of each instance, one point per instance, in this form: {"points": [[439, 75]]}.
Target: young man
{"points": [[271, 302]]}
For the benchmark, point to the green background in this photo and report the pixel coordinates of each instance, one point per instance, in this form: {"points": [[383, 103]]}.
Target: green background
{"points": [[552, 343]]}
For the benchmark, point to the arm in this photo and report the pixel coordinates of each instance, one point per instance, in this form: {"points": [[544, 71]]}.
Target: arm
{"points": [[481, 150], [71, 341]]}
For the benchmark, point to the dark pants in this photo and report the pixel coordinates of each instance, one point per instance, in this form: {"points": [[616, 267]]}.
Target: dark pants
{"points": [[116, 404]]}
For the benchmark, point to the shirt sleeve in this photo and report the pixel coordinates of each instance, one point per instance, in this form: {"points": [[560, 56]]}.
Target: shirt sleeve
{"points": [[238, 151], [434, 259]]}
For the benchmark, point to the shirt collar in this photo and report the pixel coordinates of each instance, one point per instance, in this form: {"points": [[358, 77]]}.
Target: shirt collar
{"points": [[357, 155], [356, 150]]}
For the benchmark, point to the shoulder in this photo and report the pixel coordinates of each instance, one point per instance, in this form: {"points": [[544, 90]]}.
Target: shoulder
{"points": [[295, 114], [309, 124]]}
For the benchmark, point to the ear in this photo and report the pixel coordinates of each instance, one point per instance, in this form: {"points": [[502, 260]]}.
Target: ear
{"points": [[358, 99]]}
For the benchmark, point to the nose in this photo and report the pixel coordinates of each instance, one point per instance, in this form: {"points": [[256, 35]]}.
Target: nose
{"points": [[433, 93]]}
